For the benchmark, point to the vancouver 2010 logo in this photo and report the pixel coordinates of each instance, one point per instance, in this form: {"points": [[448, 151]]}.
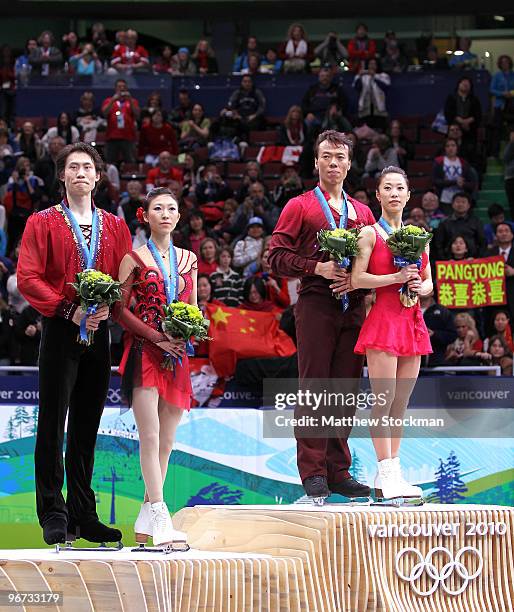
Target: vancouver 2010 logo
{"points": [[439, 576]]}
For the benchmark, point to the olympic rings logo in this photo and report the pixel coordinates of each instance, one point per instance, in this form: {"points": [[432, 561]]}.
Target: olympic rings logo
{"points": [[446, 571]]}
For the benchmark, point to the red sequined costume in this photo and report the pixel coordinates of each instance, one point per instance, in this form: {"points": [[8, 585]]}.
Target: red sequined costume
{"points": [[390, 326], [73, 378], [141, 315]]}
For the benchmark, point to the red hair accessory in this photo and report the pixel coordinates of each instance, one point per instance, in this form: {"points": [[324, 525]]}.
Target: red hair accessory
{"points": [[139, 214]]}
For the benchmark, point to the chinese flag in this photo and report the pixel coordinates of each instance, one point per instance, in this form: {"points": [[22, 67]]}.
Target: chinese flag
{"points": [[240, 334]]}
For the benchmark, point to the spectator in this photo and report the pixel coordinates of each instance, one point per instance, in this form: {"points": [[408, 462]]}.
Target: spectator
{"points": [[361, 49], [29, 143], [380, 155], [255, 205], [404, 149], [496, 214], [182, 63], [320, 96], [45, 59], [372, 86], [460, 223], [252, 174], [194, 132], [153, 104], [271, 64], [7, 160], [502, 88], [184, 109], [508, 158], [7, 84], [212, 188], [45, 168], [295, 50], [441, 329], [163, 63], [504, 240], [247, 251], [466, 349], [335, 120], [103, 47], [164, 173], [204, 295], [127, 208], [361, 195], [128, 56], [464, 149], [464, 108], [193, 234], [88, 117], [86, 62], [227, 285], [277, 291], [254, 296], [70, 45], [205, 58], [433, 214], [27, 332], [121, 111], [331, 51], [189, 176], [6, 269], [207, 262], [416, 216], [241, 61], [254, 64], [249, 104], [393, 60], [451, 174], [290, 186], [502, 328], [463, 58], [459, 249], [292, 131], [22, 67], [24, 192], [498, 353], [157, 137], [432, 60], [64, 128]]}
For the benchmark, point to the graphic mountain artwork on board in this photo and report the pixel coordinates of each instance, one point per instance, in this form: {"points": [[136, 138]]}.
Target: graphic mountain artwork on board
{"points": [[215, 494]]}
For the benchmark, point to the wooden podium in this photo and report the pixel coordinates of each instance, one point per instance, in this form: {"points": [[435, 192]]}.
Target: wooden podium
{"points": [[433, 558], [290, 559]]}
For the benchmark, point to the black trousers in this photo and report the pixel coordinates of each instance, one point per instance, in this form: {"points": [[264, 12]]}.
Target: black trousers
{"points": [[76, 377]]}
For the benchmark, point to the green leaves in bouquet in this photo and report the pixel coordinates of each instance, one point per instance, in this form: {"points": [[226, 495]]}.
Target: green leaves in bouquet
{"points": [[407, 243], [339, 243]]}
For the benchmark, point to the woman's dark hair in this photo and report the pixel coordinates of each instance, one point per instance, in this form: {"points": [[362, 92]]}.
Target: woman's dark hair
{"points": [[64, 133], [206, 276], [392, 170], [373, 59], [258, 283], [501, 58], [78, 147], [465, 78], [224, 249], [466, 242], [503, 312], [155, 193], [335, 138], [501, 340], [198, 214]]}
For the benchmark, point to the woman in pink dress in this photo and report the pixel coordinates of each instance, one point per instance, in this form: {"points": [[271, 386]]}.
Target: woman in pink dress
{"points": [[152, 276], [393, 336]]}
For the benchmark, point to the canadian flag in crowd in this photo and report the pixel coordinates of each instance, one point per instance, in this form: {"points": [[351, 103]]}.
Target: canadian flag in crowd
{"points": [[289, 156]]}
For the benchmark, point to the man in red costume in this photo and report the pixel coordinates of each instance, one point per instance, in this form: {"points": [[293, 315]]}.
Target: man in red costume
{"points": [[58, 243], [326, 335]]}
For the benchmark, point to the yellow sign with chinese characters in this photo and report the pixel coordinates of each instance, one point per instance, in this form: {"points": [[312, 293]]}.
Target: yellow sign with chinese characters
{"points": [[471, 283]]}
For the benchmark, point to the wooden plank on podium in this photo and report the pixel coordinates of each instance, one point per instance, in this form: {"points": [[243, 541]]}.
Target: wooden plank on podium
{"points": [[6, 584], [129, 585], [65, 576], [149, 584], [26, 576], [101, 584]]}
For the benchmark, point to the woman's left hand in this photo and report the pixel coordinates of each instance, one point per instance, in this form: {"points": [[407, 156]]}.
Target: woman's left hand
{"points": [[415, 285]]}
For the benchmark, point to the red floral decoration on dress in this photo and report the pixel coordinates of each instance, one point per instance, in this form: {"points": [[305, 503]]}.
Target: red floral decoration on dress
{"points": [[139, 214]]}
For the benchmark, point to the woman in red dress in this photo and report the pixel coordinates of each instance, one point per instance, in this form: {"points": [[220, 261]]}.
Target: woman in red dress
{"points": [[393, 336], [152, 276]]}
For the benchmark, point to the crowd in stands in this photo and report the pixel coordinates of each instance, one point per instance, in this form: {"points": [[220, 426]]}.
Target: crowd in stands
{"points": [[232, 174]]}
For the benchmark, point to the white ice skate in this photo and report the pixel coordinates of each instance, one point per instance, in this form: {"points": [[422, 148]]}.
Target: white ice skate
{"points": [[390, 487], [143, 525], [155, 520]]}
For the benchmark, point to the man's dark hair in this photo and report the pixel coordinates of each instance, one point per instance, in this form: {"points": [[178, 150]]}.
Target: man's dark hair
{"points": [[119, 81], [503, 223], [462, 194], [495, 209], [338, 139], [78, 147]]}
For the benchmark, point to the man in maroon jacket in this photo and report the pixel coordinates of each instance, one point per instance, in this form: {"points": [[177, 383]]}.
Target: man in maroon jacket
{"points": [[326, 334]]}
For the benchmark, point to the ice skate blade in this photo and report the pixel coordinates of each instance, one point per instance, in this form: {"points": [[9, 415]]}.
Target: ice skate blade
{"points": [[399, 502], [308, 500], [350, 501], [164, 549], [68, 546]]}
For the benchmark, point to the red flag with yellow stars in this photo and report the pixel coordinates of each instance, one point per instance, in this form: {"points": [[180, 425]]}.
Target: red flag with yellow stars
{"points": [[240, 334]]}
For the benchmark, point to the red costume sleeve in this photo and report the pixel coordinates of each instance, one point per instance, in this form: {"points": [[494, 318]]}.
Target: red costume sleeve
{"points": [[31, 270], [285, 244]]}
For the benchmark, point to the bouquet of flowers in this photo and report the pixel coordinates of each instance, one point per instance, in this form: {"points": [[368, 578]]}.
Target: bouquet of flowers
{"points": [[184, 321], [342, 246], [94, 289], [407, 245]]}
